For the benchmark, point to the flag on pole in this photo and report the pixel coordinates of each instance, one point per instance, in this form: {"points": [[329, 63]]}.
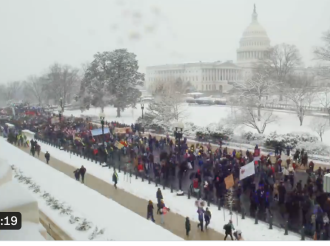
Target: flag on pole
{"points": [[246, 171]]}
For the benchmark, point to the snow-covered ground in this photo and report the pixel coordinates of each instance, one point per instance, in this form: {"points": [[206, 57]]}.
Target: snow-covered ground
{"points": [[204, 115], [119, 223], [180, 205]]}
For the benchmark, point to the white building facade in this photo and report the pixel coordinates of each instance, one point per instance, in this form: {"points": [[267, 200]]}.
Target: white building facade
{"points": [[203, 76], [217, 76]]}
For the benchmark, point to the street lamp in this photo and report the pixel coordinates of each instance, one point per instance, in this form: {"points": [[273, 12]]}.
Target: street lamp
{"points": [[102, 117], [61, 104], [178, 133], [142, 106], [59, 113]]}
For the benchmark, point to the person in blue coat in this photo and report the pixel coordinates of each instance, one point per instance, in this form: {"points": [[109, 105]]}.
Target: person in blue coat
{"points": [[207, 217], [200, 212]]}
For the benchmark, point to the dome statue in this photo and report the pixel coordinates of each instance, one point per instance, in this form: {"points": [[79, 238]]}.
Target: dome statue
{"points": [[253, 44]]}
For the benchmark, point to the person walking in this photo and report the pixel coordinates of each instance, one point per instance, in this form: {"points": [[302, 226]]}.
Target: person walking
{"points": [[38, 148], [150, 211], [187, 226], [162, 211], [115, 178], [200, 212], [47, 156], [159, 197], [229, 230], [207, 217], [77, 174], [82, 173]]}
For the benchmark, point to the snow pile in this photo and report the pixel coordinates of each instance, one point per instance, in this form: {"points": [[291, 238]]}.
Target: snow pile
{"points": [[314, 148], [289, 139], [53, 203], [250, 138], [177, 204], [119, 223]]}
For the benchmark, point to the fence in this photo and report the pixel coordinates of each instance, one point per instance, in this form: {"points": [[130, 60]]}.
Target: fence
{"points": [[122, 164]]}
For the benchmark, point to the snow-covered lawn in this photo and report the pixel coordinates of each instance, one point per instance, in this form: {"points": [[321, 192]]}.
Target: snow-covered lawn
{"points": [[205, 115], [119, 223], [180, 205]]}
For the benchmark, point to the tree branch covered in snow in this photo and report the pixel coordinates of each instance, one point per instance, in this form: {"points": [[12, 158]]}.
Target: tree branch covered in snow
{"points": [[320, 126], [280, 62], [256, 90], [323, 53], [325, 100], [297, 89], [168, 105], [249, 117], [61, 81]]}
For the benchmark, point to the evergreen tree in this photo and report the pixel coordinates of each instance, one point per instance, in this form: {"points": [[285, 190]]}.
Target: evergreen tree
{"points": [[112, 78], [123, 79]]}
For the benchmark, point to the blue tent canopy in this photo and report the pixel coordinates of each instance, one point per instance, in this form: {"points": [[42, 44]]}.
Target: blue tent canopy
{"points": [[98, 131]]}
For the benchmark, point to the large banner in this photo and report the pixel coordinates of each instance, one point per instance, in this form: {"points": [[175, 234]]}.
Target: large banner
{"points": [[97, 132], [246, 171], [122, 130], [54, 120], [118, 145], [229, 181]]}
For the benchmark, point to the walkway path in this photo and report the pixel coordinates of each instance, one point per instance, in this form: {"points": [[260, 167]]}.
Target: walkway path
{"points": [[173, 222]]}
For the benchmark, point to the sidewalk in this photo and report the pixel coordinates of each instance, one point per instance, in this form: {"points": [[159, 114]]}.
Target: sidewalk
{"points": [[173, 222]]}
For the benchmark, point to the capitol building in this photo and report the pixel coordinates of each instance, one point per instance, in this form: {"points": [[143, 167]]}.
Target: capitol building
{"points": [[217, 76]]}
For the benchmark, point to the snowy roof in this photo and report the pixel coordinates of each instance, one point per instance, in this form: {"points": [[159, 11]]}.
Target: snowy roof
{"points": [[189, 64], [195, 93], [28, 232], [13, 196], [4, 169], [83, 202]]}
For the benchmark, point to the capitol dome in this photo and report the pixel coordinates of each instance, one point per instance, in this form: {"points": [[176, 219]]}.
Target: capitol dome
{"points": [[254, 43]]}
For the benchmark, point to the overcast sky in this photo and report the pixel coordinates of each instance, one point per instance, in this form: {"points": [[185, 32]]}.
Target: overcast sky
{"points": [[37, 33]]}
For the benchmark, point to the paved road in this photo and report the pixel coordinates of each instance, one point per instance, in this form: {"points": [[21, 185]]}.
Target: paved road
{"points": [[173, 222]]}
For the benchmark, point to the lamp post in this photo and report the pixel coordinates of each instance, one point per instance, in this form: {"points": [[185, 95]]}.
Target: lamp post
{"points": [[142, 106], [178, 133], [59, 114], [102, 117], [60, 111], [61, 104]]}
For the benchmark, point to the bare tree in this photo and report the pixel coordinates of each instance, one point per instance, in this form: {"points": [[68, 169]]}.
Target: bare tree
{"points": [[297, 89], [35, 85], [281, 61], [256, 89], [311, 97], [325, 100], [323, 53], [10, 90], [62, 81], [320, 126], [168, 105], [248, 116]]}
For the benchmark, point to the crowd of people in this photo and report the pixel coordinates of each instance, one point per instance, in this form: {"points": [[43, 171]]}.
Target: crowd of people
{"points": [[273, 187]]}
